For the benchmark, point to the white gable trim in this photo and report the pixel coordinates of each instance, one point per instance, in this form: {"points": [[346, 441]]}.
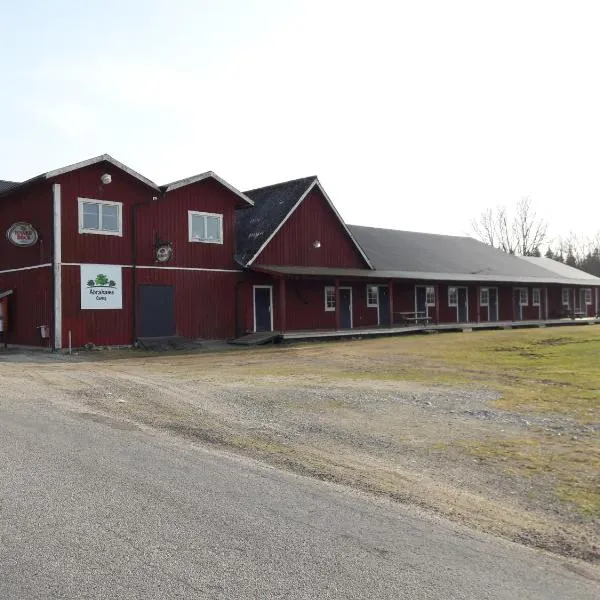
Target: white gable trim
{"points": [[314, 184], [209, 174], [98, 159], [283, 222], [337, 214]]}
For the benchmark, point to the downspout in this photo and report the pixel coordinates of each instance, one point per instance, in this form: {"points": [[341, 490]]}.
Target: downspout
{"points": [[134, 208], [134, 262], [57, 265]]}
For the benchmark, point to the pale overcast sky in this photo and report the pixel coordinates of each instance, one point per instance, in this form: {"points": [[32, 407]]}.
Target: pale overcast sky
{"points": [[414, 115]]}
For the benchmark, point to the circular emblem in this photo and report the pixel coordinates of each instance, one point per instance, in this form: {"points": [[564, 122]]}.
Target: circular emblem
{"points": [[22, 234], [164, 252]]}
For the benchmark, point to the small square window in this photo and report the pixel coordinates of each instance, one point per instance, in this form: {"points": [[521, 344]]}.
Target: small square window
{"points": [[452, 296], [536, 297], [100, 217], [484, 297], [205, 227], [566, 297], [430, 296], [329, 298], [372, 296]]}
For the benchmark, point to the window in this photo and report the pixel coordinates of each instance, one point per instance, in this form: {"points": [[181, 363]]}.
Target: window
{"points": [[452, 296], [430, 296], [372, 295], [588, 296], [566, 297], [205, 227], [484, 297], [535, 297], [523, 296], [100, 217], [329, 298]]}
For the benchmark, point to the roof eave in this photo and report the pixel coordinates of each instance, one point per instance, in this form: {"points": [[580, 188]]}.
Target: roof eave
{"points": [[96, 160], [208, 175]]}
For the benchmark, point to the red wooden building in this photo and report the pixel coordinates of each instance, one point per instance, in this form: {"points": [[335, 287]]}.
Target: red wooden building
{"points": [[107, 240], [97, 253]]}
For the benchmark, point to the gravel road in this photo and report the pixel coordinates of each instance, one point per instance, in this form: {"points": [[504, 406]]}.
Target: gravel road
{"points": [[93, 507]]}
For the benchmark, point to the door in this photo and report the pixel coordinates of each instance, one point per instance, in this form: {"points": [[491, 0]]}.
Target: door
{"points": [[582, 304], [346, 308], [517, 304], [463, 306], [384, 305], [421, 300], [263, 315], [156, 311], [493, 304]]}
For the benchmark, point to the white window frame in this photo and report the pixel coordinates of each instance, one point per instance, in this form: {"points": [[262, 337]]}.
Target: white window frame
{"points": [[536, 301], [566, 292], [485, 290], [523, 296], [100, 231], [195, 213], [452, 290], [330, 288], [429, 292], [371, 304], [588, 296]]}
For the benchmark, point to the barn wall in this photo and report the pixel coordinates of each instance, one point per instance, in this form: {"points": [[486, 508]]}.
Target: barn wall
{"points": [[30, 305], [168, 220], [85, 183], [33, 205], [204, 306], [312, 220]]}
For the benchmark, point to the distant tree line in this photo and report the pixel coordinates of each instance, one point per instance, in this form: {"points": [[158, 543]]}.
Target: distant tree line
{"points": [[524, 233]]}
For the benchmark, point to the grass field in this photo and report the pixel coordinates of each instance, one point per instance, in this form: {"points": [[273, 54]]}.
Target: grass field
{"points": [[499, 430]]}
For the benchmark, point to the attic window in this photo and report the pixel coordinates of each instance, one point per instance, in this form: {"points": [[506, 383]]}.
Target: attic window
{"points": [[205, 227]]}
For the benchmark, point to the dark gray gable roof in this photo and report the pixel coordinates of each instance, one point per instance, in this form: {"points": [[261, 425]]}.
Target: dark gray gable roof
{"points": [[409, 251], [272, 204], [7, 185]]}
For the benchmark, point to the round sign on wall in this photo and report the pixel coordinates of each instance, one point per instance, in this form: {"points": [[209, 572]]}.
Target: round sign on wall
{"points": [[22, 234]]}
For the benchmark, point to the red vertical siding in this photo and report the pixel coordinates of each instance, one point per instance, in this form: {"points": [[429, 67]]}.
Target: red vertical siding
{"points": [[168, 220], [30, 305], [33, 205], [312, 220], [204, 306], [85, 183]]}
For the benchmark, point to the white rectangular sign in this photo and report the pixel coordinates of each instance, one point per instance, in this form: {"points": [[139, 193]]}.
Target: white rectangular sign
{"points": [[101, 287]]}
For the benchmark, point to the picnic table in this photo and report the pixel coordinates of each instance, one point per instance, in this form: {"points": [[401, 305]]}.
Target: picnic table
{"points": [[414, 317]]}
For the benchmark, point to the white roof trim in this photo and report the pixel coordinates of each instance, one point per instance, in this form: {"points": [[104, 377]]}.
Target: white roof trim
{"points": [[337, 214], [283, 222], [98, 159], [209, 174]]}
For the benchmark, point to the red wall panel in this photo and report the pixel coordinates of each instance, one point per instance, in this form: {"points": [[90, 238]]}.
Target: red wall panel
{"points": [[33, 205], [168, 220], [312, 220], [85, 183], [30, 305], [204, 306]]}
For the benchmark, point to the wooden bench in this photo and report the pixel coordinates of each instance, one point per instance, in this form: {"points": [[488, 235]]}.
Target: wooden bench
{"points": [[414, 318], [569, 313]]}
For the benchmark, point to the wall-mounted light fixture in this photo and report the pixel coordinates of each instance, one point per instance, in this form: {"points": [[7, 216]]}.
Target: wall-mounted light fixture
{"points": [[316, 244], [106, 178]]}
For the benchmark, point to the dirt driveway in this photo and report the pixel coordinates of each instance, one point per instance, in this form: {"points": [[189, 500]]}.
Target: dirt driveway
{"points": [[390, 416]]}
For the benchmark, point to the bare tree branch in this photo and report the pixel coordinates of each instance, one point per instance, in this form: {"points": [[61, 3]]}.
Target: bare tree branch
{"points": [[522, 234]]}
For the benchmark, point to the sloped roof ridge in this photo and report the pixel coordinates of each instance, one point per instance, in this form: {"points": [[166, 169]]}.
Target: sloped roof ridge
{"points": [[391, 229], [266, 187]]}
